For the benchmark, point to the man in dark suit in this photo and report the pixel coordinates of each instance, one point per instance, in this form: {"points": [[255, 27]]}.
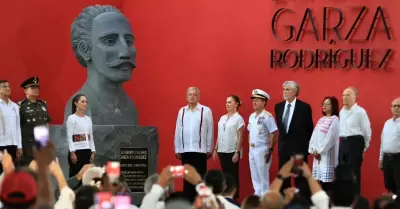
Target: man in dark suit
{"points": [[295, 124]]}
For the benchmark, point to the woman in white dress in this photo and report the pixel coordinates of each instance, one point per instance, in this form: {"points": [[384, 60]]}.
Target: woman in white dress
{"points": [[79, 136], [230, 138], [324, 143]]}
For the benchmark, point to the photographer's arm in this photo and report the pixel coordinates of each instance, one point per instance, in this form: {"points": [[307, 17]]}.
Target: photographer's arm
{"points": [[284, 173]]}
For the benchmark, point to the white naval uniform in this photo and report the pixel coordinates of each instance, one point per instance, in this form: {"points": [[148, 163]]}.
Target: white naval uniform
{"points": [[260, 129]]}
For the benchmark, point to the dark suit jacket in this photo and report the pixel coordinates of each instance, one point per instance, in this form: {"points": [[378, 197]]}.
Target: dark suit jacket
{"points": [[300, 129]]}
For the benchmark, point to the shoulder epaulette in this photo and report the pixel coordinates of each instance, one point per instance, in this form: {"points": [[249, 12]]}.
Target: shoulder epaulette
{"points": [[20, 102], [42, 101], [268, 113]]}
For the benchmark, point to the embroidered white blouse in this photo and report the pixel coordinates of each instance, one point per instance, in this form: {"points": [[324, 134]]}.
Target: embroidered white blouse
{"points": [[325, 141], [80, 133]]}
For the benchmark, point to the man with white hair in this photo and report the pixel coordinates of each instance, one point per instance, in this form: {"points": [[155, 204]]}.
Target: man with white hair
{"points": [[355, 133], [295, 124], [194, 136]]}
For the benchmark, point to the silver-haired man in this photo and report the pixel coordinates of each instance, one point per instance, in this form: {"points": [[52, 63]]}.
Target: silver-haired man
{"points": [[295, 125], [194, 136], [355, 133]]}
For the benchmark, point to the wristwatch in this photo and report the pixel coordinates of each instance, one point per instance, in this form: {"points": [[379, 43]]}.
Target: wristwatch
{"points": [[279, 176], [237, 151]]}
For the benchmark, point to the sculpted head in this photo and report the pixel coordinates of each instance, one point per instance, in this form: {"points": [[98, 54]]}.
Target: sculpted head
{"points": [[102, 40]]}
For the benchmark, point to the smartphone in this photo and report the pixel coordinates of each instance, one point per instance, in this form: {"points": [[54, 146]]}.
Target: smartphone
{"points": [[113, 171], [103, 200], [122, 202], [298, 162], [178, 171], [41, 134]]}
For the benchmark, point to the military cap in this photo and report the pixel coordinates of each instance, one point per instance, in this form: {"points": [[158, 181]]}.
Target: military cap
{"points": [[258, 93], [32, 81]]}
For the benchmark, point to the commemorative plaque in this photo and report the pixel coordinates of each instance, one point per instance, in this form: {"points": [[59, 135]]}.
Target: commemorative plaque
{"points": [[134, 163]]}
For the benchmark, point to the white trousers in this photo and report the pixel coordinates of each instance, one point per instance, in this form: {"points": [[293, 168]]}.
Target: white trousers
{"points": [[259, 170]]}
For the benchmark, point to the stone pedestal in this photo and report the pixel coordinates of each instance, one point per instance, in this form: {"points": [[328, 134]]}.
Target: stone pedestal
{"points": [[109, 140]]}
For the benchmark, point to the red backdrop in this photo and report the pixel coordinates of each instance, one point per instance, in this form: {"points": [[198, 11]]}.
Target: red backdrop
{"points": [[221, 46]]}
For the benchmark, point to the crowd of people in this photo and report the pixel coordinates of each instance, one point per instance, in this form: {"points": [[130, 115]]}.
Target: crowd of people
{"points": [[92, 187]]}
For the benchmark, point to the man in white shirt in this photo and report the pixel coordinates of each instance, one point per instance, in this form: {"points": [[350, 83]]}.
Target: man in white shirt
{"points": [[194, 136], [389, 157], [262, 136], [355, 133], [10, 130]]}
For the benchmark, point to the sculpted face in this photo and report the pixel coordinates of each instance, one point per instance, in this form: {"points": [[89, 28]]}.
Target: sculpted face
{"points": [[113, 50]]}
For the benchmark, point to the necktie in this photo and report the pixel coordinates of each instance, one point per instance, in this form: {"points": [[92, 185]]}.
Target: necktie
{"points": [[286, 117]]}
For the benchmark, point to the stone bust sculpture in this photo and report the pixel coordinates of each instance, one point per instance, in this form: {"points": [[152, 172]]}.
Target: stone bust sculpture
{"points": [[103, 42]]}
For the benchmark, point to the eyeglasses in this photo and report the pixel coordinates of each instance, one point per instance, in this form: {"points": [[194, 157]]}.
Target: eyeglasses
{"points": [[396, 106], [326, 104]]}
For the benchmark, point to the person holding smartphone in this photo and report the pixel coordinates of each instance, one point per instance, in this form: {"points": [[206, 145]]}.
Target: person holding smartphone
{"points": [[79, 136], [230, 137]]}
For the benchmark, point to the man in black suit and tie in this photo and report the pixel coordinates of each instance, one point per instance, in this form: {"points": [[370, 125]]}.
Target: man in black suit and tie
{"points": [[295, 124]]}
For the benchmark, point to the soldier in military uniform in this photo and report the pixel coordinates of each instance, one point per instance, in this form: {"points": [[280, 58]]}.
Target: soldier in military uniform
{"points": [[33, 112]]}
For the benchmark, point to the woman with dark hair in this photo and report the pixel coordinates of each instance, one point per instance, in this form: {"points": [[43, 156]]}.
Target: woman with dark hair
{"points": [[79, 136], [324, 143], [230, 137]]}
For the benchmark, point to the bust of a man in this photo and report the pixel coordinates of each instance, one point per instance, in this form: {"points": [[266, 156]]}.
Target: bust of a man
{"points": [[103, 42]]}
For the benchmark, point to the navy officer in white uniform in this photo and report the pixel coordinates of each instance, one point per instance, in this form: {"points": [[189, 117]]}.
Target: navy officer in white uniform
{"points": [[262, 137]]}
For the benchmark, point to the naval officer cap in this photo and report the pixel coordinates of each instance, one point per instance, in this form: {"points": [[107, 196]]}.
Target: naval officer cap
{"points": [[258, 93], [32, 81]]}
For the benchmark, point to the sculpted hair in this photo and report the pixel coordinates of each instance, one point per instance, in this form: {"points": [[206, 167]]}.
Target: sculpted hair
{"points": [[294, 85], [3, 81], [81, 29], [76, 99]]}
